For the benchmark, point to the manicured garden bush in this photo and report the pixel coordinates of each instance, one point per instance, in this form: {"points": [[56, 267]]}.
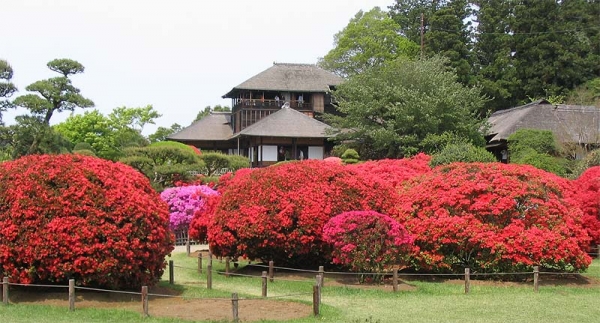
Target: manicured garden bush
{"points": [[394, 171], [586, 191], [462, 152], [493, 217], [72, 216], [278, 212], [366, 241], [183, 202]]}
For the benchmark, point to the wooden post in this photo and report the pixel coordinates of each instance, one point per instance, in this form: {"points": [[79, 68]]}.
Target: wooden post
{"points": [[227, 267], [316, 300], [467, 280], [199, 262], [171, 274], [187, 246], [5, 290], [145, 300], [209, 276], [71, 295], [395, 280], [322, 273], [536, 276], [210, 257], [598, 250], [271, 270], [264, 284], [234, 307]]}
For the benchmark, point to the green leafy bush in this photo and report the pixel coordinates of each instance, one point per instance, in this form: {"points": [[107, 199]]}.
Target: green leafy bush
{"points": [[462, 152], [350, 156]]}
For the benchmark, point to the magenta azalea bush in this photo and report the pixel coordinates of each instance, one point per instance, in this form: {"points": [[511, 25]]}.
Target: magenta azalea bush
{"points": [[184, 202], [366, 241]]}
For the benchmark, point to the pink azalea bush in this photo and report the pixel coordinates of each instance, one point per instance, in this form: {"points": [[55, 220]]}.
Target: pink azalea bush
{"points": [[184, 202], [366, 241]]}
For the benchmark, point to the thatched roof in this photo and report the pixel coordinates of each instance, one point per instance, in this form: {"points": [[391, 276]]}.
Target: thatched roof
{"points": [[214, 127], [289, 78], [287, 123], [569, 123]]}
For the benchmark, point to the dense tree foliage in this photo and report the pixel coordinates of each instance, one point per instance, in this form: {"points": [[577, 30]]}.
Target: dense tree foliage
{"points": [[69, 216], [162, 133], [370, 39], [391, 109], [516, 50]]}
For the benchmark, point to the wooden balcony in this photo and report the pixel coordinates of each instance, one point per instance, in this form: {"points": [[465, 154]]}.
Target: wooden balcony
{"points": [[248, 112], [302, 106]]}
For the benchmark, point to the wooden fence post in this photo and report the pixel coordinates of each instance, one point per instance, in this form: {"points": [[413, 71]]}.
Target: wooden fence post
{"points": [[395, 280], [210, 256], [209, 276], [264, 284], [598, 250], [467, 280], [145, 301], [227, 267], [71, 295], [271, 270], [187, 246], [536, 276], [234, 307], [5, 290], [322, 273], [316, 300], [199, 262], [171, 273]]}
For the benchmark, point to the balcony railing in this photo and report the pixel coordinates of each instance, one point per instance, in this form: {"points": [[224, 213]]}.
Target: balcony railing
{"points": [[271, 104]]}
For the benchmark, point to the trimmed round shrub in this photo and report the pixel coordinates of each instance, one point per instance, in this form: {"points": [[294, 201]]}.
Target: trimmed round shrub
{"points": [[183, 202], [83, 146], [493, 217], [89, 219], [278, 212], [350, 156], [587, 192], [366, 241], [462, 152]]}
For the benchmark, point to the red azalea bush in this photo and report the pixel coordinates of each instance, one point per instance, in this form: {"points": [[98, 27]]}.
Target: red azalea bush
{"points": [[73, 216], [586, 191], [395, 171], [366, 241], [279, 212], [492, 217]]}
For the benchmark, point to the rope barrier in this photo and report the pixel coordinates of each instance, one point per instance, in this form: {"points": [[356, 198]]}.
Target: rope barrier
{"points": [[37, 285], [107, 290]]}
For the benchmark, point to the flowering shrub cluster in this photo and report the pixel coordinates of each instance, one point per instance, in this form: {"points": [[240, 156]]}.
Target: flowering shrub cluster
{"points": [[586, 191], [366, 241], [183, 202], [394, 171], [279, 212], [492, 217], [80, 217]]}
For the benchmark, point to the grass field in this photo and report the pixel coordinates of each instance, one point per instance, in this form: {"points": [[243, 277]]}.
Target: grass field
{"points": [[443, 301]]}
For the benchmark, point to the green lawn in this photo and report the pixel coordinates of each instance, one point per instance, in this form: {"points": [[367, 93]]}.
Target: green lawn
{"points": [[427, 302]]}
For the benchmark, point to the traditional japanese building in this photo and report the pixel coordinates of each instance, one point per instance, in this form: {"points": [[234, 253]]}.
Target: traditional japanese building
{"points": [[274, 117]]}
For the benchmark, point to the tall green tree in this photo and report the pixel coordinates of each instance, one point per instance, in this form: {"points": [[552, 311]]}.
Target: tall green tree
{"points": [[494, 63], [370, 39], [391, 109], [446, 30], [7, 88], [52, 95]]}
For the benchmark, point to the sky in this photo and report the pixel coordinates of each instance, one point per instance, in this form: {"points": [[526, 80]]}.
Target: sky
{"points": [[179, 56]]}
